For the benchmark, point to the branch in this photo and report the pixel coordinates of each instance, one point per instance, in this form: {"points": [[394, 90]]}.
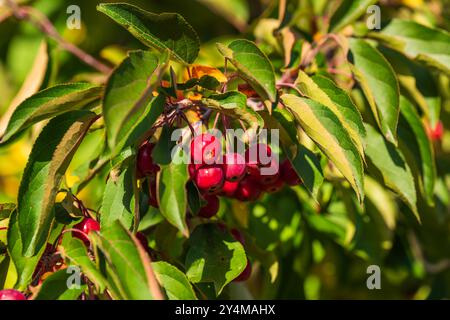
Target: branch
{"points": [[44, 24]]}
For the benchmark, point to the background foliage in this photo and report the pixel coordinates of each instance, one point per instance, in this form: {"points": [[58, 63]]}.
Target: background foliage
{"points": [[360, 107]]}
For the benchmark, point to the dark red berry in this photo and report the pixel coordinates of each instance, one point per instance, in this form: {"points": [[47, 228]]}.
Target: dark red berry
{"points": [[209, 179], [244, 274], [211, 207], [152, 195], [234, 166], [205, 149], [85, 226], [11, 294], [269, 174], [258, 154], [275, 186], [145, 163], [229, 188], [288, 174], [142, 239], [248, 190]]}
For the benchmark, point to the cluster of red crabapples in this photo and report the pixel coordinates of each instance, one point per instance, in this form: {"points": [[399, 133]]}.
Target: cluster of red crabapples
{"points": [[236, 176], [243, 177]]}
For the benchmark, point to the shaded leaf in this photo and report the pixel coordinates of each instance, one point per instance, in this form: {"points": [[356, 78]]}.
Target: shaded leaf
{"points": [[219, 259], [379, 83], [348, 12], [418, 83], [308, 168], [424, 44], [424, 155], [388, 164]]}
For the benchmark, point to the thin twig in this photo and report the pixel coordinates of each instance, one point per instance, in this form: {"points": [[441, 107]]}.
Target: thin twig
{"points": [[291, 86], [45, 25]]}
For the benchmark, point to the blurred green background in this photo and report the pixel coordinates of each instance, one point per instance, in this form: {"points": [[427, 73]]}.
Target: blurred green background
{"points": [[315, 256]]}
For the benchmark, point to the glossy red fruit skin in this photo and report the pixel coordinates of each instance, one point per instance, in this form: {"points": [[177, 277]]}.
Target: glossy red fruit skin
{"points": [[238, 235], [288, 174], [244, 274], [209, 179], [11, 294], [86, 226], [205, 149], [275, 186], [234, 167], [145, 163], [142, 239], [229, 188], [258, 154], [211, 208], [248, 190]]}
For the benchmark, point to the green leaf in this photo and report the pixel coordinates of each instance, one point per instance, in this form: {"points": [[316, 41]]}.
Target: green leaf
{"points": [[308, 168], [75, 250], [128, 262], [387, 164], [49, 103], [55, 287], [253, 66], [127, 94], [25, 266], [214, 256], [348, 12], [195, 202], [325, 129], [284, 122], [161, 31], [305, 162], [418, 42], [118, 200], [418, 83], [5, 262], [425, 155], [234, 105], [172, 196], [174, 282], [47, 163], [330, 95], [379, 83]]}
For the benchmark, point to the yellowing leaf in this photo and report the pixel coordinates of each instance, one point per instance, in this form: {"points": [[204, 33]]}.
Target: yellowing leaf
{"points": [[325, 129], [198, 71]]}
